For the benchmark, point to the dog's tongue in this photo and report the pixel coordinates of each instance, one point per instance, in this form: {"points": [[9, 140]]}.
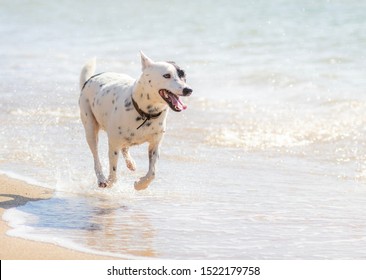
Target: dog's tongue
{"points": [[177, 102]]}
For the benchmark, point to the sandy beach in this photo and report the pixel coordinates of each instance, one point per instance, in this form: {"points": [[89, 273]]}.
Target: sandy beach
{"points": [[14, 193]]}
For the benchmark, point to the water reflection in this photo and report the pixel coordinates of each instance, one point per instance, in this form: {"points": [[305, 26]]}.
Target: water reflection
{"points": [[98, 223]]}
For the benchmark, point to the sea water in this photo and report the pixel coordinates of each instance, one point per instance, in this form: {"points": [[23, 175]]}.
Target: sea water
{"points": [[267, 162]]}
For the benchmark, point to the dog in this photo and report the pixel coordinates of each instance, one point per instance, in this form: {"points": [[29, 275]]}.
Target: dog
{"points": [[131, 112]]}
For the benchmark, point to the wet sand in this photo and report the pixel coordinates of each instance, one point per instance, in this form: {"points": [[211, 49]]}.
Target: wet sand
{"points": [[15, 193]]}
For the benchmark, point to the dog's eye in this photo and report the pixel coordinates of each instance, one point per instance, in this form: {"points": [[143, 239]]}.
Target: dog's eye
{"points": [[167, 76]]}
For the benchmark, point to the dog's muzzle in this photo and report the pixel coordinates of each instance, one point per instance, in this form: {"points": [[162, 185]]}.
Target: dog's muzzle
{"points": [[173, 100]]}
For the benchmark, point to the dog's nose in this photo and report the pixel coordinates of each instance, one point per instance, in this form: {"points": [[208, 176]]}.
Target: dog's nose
{"points": [[187, 91]]}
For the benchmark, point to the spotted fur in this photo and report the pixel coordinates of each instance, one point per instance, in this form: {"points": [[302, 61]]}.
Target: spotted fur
{"points": [[111, 110]]}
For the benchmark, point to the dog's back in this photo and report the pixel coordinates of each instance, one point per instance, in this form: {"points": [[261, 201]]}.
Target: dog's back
{"points": [[103, 94]]}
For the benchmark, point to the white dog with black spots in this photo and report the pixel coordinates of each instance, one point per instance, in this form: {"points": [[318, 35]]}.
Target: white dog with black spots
{"points": [[131, 112]]}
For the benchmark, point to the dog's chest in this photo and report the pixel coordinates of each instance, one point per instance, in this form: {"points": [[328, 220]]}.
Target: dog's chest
{"points": [[133, 131]]}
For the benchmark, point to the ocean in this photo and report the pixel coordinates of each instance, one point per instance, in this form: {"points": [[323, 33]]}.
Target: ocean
{"points": [[267, 162]]}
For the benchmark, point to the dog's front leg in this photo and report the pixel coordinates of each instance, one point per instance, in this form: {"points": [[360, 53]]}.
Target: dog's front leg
{"points": [[145, 181], [113, 160], [129, 161]]}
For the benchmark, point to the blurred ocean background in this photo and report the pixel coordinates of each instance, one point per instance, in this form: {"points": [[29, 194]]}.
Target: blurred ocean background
{"points": [[267, 162]]}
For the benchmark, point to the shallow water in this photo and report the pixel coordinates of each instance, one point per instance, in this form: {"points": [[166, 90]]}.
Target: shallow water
{"points": [[267, 162]]}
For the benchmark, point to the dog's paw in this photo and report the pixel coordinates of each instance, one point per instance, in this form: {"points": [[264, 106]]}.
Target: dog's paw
{"points": [[103, 185], [142, 184], [131, 165], [106, 184]]}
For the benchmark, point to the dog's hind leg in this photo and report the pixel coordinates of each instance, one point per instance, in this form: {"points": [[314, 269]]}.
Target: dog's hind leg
{"points": [[145, 181], [91, 132], [130, 163]]}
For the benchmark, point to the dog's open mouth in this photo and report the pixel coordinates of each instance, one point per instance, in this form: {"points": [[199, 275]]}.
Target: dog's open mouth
{"points": [[173, 100]]}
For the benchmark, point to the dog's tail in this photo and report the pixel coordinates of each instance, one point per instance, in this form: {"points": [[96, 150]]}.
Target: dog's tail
{"points": [[87, 71]]}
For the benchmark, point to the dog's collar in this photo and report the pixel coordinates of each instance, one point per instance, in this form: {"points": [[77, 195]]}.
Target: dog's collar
{"points": [[145, 116]]}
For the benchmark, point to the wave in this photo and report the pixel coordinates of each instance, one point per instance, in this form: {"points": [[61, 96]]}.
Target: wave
{"points": [[333, 129]]}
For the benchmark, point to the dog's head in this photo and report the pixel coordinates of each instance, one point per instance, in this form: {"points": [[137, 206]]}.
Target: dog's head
{"points": [[167, 81]]}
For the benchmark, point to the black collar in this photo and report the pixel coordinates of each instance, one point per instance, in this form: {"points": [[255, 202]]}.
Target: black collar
{"points": [[145, 116]]}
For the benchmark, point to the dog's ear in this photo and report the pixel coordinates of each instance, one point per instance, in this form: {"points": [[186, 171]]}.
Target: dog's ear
{"points": [[145, 61]]}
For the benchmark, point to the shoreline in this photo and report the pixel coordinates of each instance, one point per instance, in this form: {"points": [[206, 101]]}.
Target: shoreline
{"points": [[14, 193]]}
